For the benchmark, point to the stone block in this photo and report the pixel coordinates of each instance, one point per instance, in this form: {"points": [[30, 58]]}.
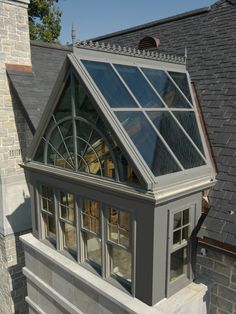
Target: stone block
{"points": [[222, 303], [221, 268], [214, 276], [207, 262], [227, 293]]}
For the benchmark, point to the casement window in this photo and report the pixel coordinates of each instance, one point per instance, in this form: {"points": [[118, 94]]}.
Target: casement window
{"points": [[80, 233], [91, 232], [119, 244], [48, 214], [180, 228], [67, 222]]}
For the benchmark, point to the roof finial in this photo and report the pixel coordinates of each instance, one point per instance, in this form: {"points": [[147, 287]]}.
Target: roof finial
{"points": [[73, 34]]}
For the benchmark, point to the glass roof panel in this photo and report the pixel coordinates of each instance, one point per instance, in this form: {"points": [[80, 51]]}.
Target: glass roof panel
{"points": [[182, 81], [188, 121], [166, 89], [109, 84], [176, 139], [139, 86], [148, 143]]}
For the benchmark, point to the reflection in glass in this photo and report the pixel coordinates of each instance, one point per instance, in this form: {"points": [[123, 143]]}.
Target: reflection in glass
{"points": [[50, 227], [93, 246], [113, 233], [109, 84], [178, 263], [148, 143], [47, 199], [67, 206], [186, 216], [176, 139], [63, 108], [188, 121], [166, 89], [121, 263], [69, 237], [139, 86], [177, 220], [185, 233], [90, 216], [118, 227], [177, 237], [182, 81]]}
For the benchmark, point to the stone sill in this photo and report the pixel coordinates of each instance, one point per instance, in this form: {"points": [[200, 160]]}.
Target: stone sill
{"points": [[188, 300]]}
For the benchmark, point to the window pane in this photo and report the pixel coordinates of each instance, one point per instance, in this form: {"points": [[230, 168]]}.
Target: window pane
{"points": [[176, 139], [139, 86], [178, 263], [121, 263], [176, 238], [90, 215], [186, 216], [113, 233], [124, 237], [124, 220], [63, 108], [93, 245], [148, 143], [166, 89], [64, 212], [185, 233], [109, 84], [182, 81], [188, 121], [50, 227], [113, 216], [69, 237], [94, 224], [86, 221], [177, 220]]}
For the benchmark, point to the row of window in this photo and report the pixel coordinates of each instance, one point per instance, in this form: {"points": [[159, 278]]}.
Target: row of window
{"points": [[82, 237], [103, 238]]}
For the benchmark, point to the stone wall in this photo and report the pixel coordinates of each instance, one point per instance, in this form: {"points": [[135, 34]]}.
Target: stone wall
{"points": [[218, 271], [13, 283]]}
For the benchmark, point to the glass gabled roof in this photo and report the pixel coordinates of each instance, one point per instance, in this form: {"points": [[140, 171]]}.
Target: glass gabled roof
{"points": [[156, 110], [141, 114]]}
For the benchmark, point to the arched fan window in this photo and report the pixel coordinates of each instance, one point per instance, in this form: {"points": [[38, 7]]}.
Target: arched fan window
{"points": [[77, 139]]}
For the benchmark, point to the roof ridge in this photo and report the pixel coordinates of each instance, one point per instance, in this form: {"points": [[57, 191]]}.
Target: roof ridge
{"points": [[155, 22], [42, 44], [117, 49]]}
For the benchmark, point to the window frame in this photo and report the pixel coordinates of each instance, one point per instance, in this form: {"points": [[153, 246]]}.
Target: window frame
{"points": [[185, 278]]}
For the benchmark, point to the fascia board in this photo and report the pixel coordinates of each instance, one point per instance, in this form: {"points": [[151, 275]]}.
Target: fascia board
{"points": [[89, 180], [113, 122], [50, 106]]}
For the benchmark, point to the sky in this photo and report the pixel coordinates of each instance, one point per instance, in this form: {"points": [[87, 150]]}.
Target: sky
{"points": [[99, 17]]}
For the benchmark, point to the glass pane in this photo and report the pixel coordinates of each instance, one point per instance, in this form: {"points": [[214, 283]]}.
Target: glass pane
{"points": [[177, 220], [178, 263], [69, 237], [124, 237], [188, 121], [166, 89], [64, 212], [113, 233], [113, 216], [86, 221], [139, 86], [63, 108], [185, 233], [182, 81], [50, 227], [93, 245], [44, 204], [39, 155], [83, 105], [109, 84], [186, 216], [121, 263], [176, 139], [148, 143], [176, 238], [94, 225], [124, 220]]}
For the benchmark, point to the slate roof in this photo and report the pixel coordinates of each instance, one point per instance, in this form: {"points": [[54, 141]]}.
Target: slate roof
{"points": [[209, 35], [34, 89]]}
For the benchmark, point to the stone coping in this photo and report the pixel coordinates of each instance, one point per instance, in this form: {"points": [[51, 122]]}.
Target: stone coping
{"points": [[192, 294]]}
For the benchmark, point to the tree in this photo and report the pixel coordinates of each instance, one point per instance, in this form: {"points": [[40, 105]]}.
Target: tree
{"points": [[44, 20]]}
